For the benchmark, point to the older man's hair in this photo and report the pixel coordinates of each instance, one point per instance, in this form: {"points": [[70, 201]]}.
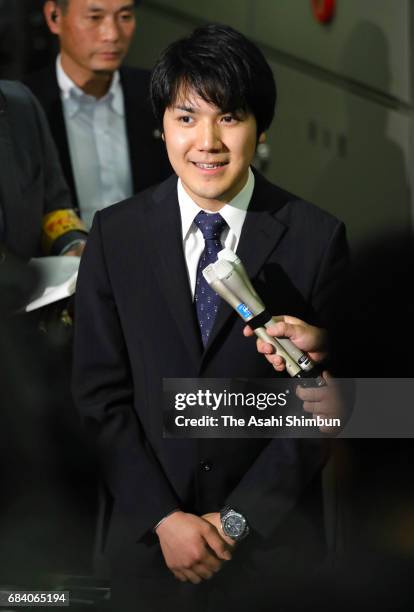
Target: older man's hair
{"points": [[62, 4]]}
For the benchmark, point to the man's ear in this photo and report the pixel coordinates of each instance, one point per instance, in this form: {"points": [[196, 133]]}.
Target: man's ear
{"points": [[262, 138], [52, 13]]}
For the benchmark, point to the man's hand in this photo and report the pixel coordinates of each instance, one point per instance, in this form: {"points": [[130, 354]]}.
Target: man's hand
{"points": [[214, 519], [327, 402], [192, 547], [308, 338]]}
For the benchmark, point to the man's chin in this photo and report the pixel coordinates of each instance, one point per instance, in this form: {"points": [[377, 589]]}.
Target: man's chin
{"points": [[106, 67]]}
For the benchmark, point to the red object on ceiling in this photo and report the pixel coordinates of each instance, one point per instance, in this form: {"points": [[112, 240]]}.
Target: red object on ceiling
{"points": [[323, 10]]}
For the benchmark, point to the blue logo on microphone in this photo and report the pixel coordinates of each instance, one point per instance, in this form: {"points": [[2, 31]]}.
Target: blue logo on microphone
{"points": [[244, 311]]}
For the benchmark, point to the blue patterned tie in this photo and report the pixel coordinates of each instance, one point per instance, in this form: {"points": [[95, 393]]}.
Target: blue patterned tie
{"points": [[206, 300]]}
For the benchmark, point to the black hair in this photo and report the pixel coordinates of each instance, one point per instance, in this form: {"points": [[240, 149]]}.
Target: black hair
{"points": [[221, 66]]}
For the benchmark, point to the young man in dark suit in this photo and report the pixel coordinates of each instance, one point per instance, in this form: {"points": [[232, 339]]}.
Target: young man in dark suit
{"points": [[98, 110], [144, 314]]}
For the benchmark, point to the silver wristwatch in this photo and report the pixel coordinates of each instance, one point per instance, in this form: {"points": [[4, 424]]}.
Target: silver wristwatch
{"points": [[234, 524]]}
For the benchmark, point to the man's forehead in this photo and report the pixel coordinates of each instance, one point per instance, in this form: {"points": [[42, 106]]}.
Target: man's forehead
{"points": [[102, 5], [196, 103], [187, 97]]}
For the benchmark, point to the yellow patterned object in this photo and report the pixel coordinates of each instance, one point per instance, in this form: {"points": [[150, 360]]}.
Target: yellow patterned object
{"points": [[57, 223]]}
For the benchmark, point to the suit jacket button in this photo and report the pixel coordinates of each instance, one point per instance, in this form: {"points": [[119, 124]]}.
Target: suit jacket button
{"points": [[206, 466]]}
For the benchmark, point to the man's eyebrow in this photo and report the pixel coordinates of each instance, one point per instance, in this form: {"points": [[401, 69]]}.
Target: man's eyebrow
{"points": [[182, 107]]}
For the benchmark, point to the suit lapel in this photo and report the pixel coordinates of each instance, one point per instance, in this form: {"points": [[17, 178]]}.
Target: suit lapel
{"points": [[45, 87], [138, 117], [60, 135], [170, 267], [260, 235], [54, 110], [132, 130]]}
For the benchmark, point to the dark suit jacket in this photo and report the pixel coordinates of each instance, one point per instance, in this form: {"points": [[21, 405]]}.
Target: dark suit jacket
{"points": [[136, 325], [149, 161], [31, 182]]}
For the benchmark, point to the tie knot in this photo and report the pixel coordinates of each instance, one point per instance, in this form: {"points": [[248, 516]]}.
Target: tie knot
{"points": [[210, 225]]}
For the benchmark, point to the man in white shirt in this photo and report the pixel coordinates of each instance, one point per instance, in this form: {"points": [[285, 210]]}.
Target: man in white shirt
{"points": [[99, 113]]}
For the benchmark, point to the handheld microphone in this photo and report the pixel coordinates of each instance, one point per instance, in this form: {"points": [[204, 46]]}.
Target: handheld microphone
{"points": [[257, 307], [235, 260], [228, 277]]}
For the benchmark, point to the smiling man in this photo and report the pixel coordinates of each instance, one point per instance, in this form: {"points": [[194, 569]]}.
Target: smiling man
{"points": [[208, 524], [210, 150], [98, 111]]}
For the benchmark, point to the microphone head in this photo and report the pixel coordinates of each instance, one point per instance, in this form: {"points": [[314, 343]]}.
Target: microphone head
{"points": [[209, 274], [222, 269], [228, 255], [219, 287]]}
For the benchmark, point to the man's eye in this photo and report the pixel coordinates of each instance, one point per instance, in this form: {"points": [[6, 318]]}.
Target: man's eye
{"points": [[94, 17], [228, 119], [127, 16], [185, 119]]}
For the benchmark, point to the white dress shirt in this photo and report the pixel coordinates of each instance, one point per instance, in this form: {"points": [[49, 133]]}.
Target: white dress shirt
{"points": [[234, 214], [98, 144]]}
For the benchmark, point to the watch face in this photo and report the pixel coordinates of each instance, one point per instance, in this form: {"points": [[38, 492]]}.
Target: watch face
{"points": [[234, 525]]}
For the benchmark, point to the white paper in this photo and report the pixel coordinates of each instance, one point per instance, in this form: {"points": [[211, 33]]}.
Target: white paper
{"points": [[57, 280]]}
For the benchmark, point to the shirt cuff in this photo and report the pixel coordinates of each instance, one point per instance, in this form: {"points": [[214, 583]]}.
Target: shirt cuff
{"points": [[71, 245]]}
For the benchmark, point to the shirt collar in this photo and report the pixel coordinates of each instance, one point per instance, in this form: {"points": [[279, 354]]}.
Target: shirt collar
{"points": [[234, 212], [74, 97]]}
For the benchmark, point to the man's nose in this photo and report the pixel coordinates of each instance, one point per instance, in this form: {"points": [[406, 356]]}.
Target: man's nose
{"points": [[110, 29], [208, 136]]}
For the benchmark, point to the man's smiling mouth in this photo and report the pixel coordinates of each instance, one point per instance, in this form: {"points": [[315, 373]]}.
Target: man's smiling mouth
{"points": [[210, 166]]}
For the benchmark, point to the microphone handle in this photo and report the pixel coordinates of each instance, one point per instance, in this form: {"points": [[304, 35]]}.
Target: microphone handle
{"points": [[292, 367], [291, 354]]}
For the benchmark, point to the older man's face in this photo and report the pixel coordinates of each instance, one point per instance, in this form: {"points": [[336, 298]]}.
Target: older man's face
{"points": [[95, 34]]}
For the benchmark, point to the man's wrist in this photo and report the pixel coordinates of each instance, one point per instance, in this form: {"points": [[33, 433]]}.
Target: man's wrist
{"points": [[154, 529]]}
